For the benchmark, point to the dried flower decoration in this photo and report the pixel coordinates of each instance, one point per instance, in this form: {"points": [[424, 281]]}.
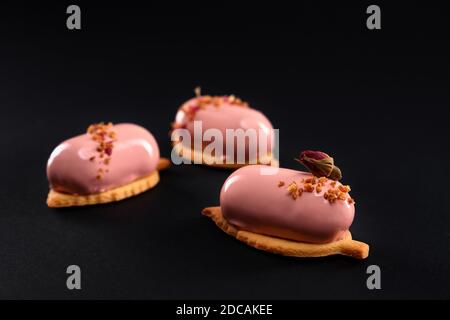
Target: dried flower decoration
{"points": [[320, 164]]}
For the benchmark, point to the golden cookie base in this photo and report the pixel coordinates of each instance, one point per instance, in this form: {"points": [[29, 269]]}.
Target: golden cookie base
{"points": [[346, 246], [57, 199], [163, 164], [212, 162]]}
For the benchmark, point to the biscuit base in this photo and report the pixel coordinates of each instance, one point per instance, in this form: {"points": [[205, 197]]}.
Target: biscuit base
{"points": [[163, 164], [57, 199], [213, 162], [347, 246]]}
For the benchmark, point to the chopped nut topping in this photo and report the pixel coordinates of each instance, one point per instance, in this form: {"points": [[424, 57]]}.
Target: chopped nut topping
{"points": [[293, 190], [308, 187], [330, 196], [104, 136], [202, 101], [205, 99], [344, 189], [323, 180], [340, 193], [292, 186], [342, 196], [310, 184]]}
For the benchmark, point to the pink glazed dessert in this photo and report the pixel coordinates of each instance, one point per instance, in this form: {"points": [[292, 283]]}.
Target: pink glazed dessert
{"points": [[290, 212], [290, 204], [98, 166], [222, 113]]}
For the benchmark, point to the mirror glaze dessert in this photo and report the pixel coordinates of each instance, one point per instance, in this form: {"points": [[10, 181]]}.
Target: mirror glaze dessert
{"points": [[108, 163], [222, 113], [290, 212], [291, 205]]}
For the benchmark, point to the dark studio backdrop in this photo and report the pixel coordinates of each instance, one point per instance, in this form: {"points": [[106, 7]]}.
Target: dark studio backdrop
{"points": [[375, 100]]}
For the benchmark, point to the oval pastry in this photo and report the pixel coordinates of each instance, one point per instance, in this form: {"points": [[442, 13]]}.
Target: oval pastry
{"points": [[290, 212], [250, 136], [290, 205], [108, 163]]}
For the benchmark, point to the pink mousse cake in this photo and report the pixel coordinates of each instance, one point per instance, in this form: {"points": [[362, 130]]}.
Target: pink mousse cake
{"points": [[106, 157], [290, 204], [222, 113]]}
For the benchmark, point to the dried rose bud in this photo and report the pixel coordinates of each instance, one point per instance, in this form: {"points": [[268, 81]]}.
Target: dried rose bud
{"points": [[320, 164]]}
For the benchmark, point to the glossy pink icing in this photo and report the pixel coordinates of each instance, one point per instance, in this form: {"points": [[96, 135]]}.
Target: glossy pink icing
{"points": [[226, 116], [256, 203], [135, 155]]}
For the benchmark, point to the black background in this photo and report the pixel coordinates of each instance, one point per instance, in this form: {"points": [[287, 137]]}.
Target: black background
{"points": [[375, 100]]}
